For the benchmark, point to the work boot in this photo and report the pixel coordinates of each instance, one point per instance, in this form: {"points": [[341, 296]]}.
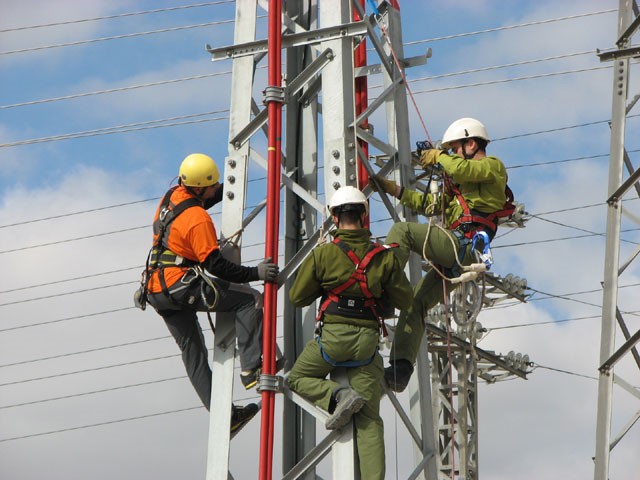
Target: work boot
{"points": [[250, 379], [398, 373], [241, 415], [348, 402]]}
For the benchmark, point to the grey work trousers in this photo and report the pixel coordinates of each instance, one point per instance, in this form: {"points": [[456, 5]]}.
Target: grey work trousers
{"points": [[180, 316]]}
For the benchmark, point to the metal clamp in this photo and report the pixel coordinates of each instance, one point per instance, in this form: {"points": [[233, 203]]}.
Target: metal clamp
{"points": [[273, 94], [271, 383]]}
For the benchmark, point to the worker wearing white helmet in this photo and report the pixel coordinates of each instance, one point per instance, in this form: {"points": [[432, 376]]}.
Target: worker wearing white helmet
{"points": [[475, 196], [351, 275]]}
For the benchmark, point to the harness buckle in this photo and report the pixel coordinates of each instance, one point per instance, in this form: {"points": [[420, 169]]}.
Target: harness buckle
{"points": [[163, 213]]}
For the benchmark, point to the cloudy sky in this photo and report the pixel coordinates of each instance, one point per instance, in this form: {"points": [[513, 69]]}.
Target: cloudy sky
{"points": [[95, 115]]}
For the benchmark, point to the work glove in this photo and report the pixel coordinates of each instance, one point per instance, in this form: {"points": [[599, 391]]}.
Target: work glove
{"points": [[388, 186], [267, 271], [423, 146], [429, 157]]}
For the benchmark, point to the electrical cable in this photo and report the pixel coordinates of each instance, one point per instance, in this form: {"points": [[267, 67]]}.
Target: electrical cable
{"points": [[82, 427], [55, 217], [116, 37], [92, 350], [110, 17], [49, 322], [549, 240], [496, 67], [82, 277], [509, 80], [113, 90], [579, 229], [564, 371], [93, 392], [132, 127], [510, 27], [87, 370], [551, 322]]}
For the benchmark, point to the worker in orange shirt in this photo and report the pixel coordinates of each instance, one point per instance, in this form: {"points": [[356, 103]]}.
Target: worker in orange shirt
{"points": [[186, 273]]}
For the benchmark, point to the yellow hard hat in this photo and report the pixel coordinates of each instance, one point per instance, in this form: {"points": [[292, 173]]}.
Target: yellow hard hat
{"points": [[199, 170]]}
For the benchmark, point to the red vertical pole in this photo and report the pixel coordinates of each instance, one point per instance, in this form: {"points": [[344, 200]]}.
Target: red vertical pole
{"points": [[274, 110], [362, 101]]}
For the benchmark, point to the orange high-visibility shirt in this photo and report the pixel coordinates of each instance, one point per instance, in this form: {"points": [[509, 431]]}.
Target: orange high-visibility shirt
{"points": [[192, 235]]}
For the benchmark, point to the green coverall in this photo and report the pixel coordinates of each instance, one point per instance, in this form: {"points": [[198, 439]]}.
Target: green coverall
{"points": [[482, 183], [347, 339]]}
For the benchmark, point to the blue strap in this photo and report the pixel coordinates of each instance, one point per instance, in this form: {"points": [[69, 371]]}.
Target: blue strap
{"points": [[348, 363], [462, 248], [485, 256], [374, 7]]}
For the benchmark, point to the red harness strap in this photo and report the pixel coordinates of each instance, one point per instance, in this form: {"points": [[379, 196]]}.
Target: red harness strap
{"points": [[359, 276], [470, 217]]}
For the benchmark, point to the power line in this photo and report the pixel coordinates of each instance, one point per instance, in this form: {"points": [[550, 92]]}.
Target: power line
{"points": [[533, 242], [54, 217], [63, 294], [104, 390], [558, 129], [561, 224], [82, 427], [58, 242], [116, 37], [114, 90], [508, 80], [92, 350], [79, 212], [109, 17], [132, 127], [497, 67], [551, 322], [87, 370], [83, 277], [49, 322], [509, 27], [567, 372]]}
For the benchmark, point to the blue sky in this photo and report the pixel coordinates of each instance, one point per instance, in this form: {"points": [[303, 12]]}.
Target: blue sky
{"points": [[541, 428]]}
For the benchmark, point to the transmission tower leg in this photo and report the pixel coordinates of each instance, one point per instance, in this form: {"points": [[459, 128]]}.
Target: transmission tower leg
{"points": [[612, 245], [398, 136], [455, 409], [340, 166], [301, 158], [467, 414], [236, 166]]}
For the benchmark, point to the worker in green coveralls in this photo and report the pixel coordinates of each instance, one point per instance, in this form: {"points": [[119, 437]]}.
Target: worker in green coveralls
{"points": [[474, 197], [350, 275]]}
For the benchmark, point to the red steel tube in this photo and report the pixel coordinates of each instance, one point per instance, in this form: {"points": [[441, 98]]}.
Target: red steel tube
{"points": [[274, 148], [362, 101]]}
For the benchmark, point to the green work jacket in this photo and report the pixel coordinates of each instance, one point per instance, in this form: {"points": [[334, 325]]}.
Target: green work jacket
{"points": [[481, 182], [328, 267]]}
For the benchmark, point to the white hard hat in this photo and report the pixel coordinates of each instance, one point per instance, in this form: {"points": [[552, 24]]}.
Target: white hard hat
{"points": [[464, 128], [348, 196]]}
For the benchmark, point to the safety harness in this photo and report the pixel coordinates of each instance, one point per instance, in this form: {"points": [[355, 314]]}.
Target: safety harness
{"points": [[365, 307], [472, 220], [160, 256]]}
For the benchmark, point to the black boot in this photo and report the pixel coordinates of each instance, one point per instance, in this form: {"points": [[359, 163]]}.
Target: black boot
{"points": [[241, 415], [398, 373]]}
